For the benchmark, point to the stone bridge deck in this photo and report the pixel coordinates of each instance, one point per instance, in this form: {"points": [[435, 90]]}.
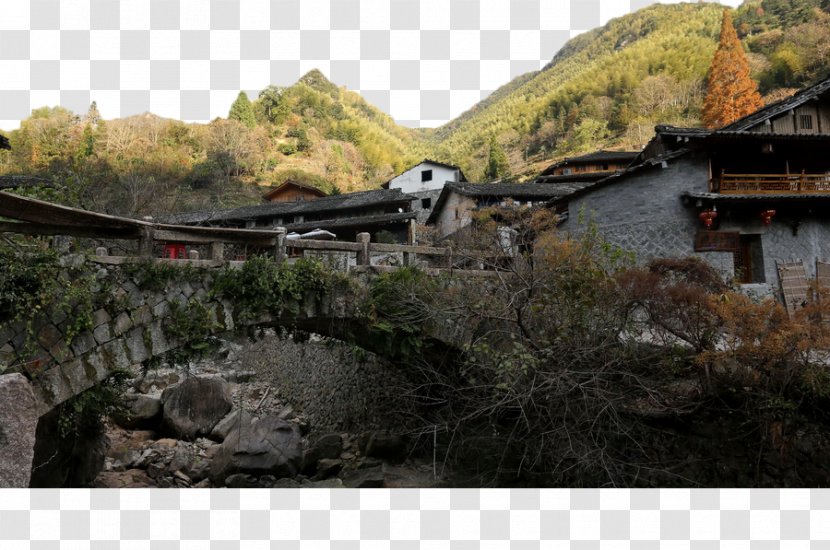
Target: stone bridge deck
{"points": [[134, 326]]}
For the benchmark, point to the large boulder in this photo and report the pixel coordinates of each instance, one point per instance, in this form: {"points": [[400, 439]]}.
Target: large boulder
{"points": [[235, 419], [328, 446], [18, 425], [139, 412], [68, 459], [192, 408], [269, 446]]}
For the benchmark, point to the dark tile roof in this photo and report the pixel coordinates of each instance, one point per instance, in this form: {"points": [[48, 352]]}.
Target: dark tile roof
{"points": [[615, 178], [581, 177], [674, 131], [779, 107], [357, 221], [514, 190], [332, 203], [596, 156]]}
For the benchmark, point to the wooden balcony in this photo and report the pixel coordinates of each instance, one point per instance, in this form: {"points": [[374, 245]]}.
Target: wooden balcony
{"points": [[774, 184]]}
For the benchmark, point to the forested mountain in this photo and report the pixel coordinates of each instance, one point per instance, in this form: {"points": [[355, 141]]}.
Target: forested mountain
{"points": [[605, 88], [609, 87]]}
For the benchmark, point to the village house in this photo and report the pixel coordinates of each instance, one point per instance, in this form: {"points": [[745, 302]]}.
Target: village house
{"points": [[591, 167], [425, 181], [385, 214], [292, 191], [458, 202], [750, 198]]}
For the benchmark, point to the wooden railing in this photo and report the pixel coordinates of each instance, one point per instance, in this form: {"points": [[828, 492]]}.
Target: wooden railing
{"points": [[774, 183], [364, 249]]}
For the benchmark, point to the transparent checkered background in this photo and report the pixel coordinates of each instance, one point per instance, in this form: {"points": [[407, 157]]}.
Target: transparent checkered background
{"points": [[159, 519], [423, 62]]}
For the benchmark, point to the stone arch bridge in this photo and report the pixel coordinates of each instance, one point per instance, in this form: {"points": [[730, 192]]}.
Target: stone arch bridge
{"points": [[132, 329]]}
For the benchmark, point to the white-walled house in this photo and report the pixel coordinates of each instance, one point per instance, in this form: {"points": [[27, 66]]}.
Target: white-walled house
{"points": [[425, 181]]}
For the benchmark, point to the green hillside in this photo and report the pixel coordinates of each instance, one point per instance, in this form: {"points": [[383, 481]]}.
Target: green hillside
{"points": [[606, 88], [611, 86]]}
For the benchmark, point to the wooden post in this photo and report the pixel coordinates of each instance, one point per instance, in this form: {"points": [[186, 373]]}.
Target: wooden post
{"points": [[363, 257], [449, 257], [217, 251], [145, 242], [279, 248]]}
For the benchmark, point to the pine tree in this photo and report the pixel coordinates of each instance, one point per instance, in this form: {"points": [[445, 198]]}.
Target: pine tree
{"points": [[242, 111], [731, 93], [497, 165]]}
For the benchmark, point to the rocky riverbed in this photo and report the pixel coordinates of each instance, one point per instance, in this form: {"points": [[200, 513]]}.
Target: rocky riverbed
{"points": [[229, 421]]}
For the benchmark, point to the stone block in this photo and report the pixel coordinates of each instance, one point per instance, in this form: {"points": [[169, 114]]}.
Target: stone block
{"points": [[122, 324], [49, 335], [18, 423], [187, 290], [7, 355], [99, 317], [136, 298], [137, 346], [102, 333], [162, 309], [160, 343], [115, 355], [227, 315], [82, 343], [142, 315]]}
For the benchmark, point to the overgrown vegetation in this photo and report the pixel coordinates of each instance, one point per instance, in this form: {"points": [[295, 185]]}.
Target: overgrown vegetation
{"points": [[36, 290], [581, 369], [262, 287]]}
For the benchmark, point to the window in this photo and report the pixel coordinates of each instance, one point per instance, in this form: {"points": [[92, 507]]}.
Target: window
{"points": [[806, 122], [567, 171], [456, 214], [426, 175], [426, 204]]}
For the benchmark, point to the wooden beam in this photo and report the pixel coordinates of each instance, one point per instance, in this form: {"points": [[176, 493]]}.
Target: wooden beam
{"points": [[92, 232], [182, 235]]}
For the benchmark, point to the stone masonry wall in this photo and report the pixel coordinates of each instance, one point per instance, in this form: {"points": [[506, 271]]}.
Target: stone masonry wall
{"points": [[644, 214], [337, 386]]}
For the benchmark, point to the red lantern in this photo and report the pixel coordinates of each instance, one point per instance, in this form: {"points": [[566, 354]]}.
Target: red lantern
{"points": [[708, 218], [767, 215]]}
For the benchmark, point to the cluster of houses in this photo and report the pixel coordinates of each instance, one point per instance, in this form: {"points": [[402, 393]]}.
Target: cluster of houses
{"points": [[752, 198]]}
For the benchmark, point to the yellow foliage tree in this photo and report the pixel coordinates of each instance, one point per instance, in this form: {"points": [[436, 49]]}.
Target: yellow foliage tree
{"points": [[731, 93]]}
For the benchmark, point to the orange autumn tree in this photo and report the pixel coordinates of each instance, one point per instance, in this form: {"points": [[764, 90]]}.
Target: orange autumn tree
{"points": [[731, 93]]}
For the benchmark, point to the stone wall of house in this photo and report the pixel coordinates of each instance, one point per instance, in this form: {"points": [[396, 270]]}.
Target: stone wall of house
{"points": [[788, 239], [447, 221], [417, 206], [644, 213], [410, 181]]}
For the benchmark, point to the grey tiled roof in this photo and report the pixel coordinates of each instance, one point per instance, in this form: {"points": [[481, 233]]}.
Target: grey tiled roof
{"points": [[357, 221], [596, 156], [333, 203]]}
